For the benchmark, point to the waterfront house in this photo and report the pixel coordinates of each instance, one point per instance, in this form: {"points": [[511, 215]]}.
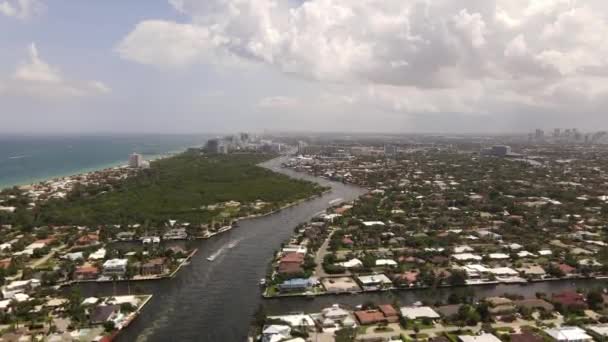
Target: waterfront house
{"points": [[416, 312], [570, 300], [392, 316], [19, 286], [125, 236], [154, 266], [103, 313], [86, 272], [369, 317], [374, 281], [275, 333], [291, 263], [176, 234], [297, 285], [115, 267]]}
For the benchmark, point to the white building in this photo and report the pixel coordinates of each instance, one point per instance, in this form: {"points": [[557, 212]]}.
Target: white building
{"points": [[466, 257], [569, 334], [415, 312], [19, 286], [115, 267], [137, 161]]}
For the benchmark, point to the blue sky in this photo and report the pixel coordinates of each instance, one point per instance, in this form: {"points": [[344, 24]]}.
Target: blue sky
{"points": [[323, 65]]}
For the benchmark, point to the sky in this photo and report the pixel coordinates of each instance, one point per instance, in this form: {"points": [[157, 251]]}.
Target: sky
{"points": [[189, 66]]}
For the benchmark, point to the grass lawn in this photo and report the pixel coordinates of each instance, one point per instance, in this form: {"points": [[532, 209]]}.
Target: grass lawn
{"points": [[177, 188]]}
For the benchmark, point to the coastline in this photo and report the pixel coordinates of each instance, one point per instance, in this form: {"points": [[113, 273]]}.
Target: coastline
{"points": [[105, 166]]}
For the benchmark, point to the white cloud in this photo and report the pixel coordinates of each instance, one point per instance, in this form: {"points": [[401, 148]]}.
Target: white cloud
{"points": [[36, 70], [37, 78], [408, 56], [278, 102], [21, 9]]}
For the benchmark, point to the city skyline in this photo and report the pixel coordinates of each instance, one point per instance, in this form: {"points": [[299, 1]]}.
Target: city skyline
{"points": [[182, 66]]}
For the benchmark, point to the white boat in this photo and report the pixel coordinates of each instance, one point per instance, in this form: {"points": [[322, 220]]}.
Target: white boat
{"points": [[211, 258], [263, 282], [233, 244]]}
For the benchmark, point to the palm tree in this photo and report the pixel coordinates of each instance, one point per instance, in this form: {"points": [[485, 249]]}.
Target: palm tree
{"points": [[114, 278], [129, 274]]}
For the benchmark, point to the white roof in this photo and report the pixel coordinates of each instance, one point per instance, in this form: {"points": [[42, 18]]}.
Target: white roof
{"points": [[498, 256], [568, 334], [466, 256], [335, 311], [545, 252], [524, 254], [90, 301], [98, 255], [373, 279], [351, 263], [373, 223], [386, 262], [296, 320], [116, 263], [476, 268], [600, 329], [503, 271], [4, 304], [21, 297], [479, 338], [462, 249], [277, 330], [414, 312]]}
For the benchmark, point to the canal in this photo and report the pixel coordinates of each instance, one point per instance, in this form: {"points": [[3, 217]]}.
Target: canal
{"points": [[215, 301]]}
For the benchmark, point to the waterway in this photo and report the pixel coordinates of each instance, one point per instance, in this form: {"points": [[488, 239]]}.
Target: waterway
{"points": [[215, 301]]}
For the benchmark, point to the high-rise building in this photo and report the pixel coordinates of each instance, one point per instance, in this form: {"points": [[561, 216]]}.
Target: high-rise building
{"points": [[136, 160], [557, 132], [218, 146], [540, 134]]}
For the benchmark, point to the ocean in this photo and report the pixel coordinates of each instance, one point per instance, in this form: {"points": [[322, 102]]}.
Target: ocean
{"points": [[29, 159]]}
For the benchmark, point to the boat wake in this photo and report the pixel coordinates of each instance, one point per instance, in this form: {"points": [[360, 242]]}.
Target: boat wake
{"points": [[234, 243], [216, 254], [229, 245], [18, 157]]}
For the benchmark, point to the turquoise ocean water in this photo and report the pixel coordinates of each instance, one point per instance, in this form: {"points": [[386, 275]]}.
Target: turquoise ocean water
{"points": [[28, 159]]}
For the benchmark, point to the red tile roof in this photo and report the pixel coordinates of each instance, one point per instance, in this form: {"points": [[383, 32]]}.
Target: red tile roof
{"points": [[370, 317], [388, 310]]}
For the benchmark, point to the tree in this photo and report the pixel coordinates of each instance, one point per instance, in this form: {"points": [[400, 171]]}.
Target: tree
{"points": [[595, 299], [114, 278], [109, 326], [129, 274], [457, 278], [346, 335]]}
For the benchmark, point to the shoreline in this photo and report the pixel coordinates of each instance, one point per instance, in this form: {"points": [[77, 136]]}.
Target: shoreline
{"points": [[88, 170], [391, 289]]}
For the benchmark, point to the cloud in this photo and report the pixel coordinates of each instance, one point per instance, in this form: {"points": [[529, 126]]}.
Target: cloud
{"points": [[278, 102], [409, 56], [36, 78], [21, 9]]}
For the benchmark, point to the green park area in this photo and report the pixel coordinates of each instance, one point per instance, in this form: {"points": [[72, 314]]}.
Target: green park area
{"points": [[190, 187]]}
